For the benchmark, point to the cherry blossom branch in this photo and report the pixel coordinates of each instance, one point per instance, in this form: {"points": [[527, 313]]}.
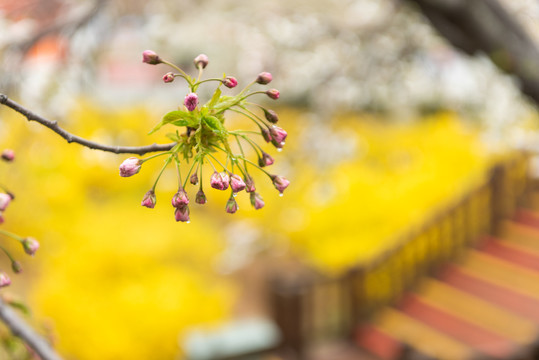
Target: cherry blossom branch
{"points": [[22, 330], [53, 125]]}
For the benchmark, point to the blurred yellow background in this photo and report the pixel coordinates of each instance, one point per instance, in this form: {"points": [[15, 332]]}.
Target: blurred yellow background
{"points": [[115, 280]]}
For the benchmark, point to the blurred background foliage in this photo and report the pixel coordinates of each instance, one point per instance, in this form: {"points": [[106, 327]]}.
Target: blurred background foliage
{"points": [[386, 125]]}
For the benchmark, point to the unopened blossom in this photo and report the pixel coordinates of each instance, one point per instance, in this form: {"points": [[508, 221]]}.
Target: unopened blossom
{"points": [[194, 179], [182, 213], [219, 181], [256, 200], [236, 183], [230, 82], [201, 60], [168, 77], [249, 184], [278, 134], [130, 167], [191, 101], [30, 245], [180, 198], [1, 218], [231, 205], [264, 78], [280, 182], [265, 160], [271, 116], [4, 279], [16, 267], [5, 199], [8, 155], [200, 197], [150, 57], [266, 134], [149, 199], [273, 94]]}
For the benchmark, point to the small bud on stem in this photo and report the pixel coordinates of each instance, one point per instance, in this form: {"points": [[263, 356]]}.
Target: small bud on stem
{"points": [[264, 78], [201, 60], [150, 57]]}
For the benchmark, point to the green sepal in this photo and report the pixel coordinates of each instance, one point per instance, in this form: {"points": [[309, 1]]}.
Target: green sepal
{"points": [[215, 124], [174, 137]]}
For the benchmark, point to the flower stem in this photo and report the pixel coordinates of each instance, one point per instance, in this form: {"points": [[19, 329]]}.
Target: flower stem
{"points": [[250, 117], [183, 74], [11, 258], [156, 155], [11, 235], [167, 161], [189, 173], [258, 117], [214, 158], [258, 167]]}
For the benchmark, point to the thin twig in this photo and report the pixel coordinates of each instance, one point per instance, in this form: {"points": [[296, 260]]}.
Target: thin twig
{"points": [[53, 125], [22, 330]]}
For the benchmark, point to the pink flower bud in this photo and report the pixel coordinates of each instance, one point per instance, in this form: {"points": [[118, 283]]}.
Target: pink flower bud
{"points": [[201, 60], [16, 267], [271, 116], [249, 184], [273, 93], [265, 160], [200, 197], [191, 101], [266, 134], [1, 218], [168, 77], [278, 134], [4, 279], [264, 78], [149, 199], [231, 205], [236, 183], [130, 167], [230, 82], [182, 213], [5, 199], [256, 201], [180, 199], [194, 179], [30, 245], [150, 57], [219, 181], [280, 183], [8, 155]]}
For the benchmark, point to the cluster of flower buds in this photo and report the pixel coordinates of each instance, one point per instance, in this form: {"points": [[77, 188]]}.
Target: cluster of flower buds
{"points": [[206, 140], [29, 245]]}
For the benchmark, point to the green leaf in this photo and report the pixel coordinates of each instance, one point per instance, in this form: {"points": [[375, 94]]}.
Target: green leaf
{"points": [[176, 117], [226, 102], [215, 98]]}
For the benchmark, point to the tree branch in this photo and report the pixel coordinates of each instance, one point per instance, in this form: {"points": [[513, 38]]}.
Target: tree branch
{"points": [[22, 330], [53, 125], [486, 26]]}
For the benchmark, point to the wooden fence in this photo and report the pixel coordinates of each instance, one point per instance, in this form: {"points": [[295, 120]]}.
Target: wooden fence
{"points": [[313, 309]]}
